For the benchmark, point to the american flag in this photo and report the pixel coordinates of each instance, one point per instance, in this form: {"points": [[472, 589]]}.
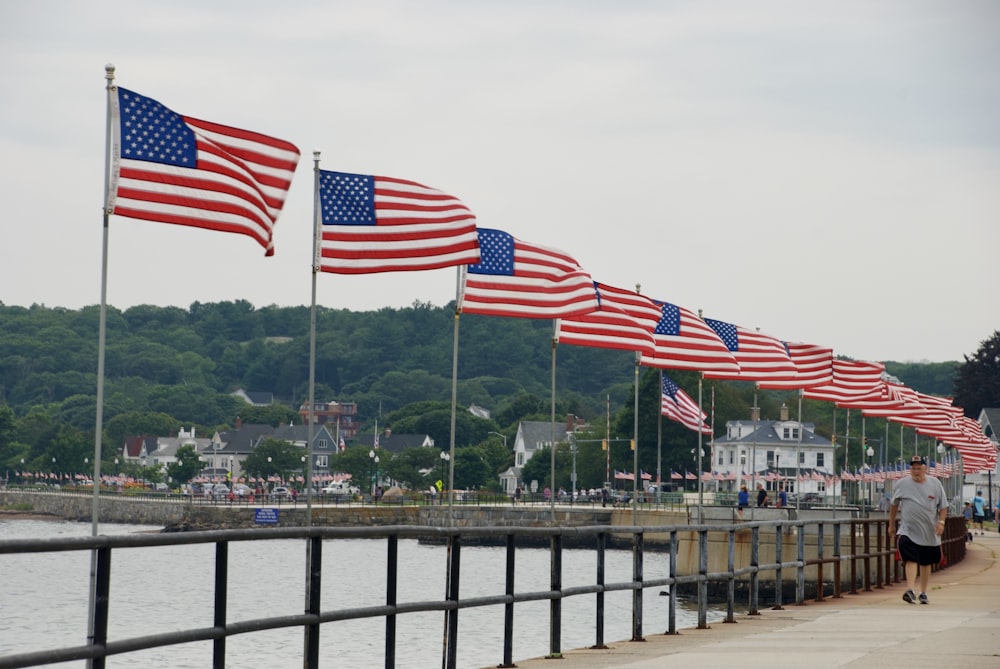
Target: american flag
{"points": [[684, 341], [813, 367], [524, 280], [381, 224], [625, 320], [177, 169], [676, 476], [761, 357], [689, 476], [677, 405], [853, 381]]}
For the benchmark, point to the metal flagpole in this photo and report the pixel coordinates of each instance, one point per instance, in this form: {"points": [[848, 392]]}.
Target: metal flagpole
{"points": [[552, 426], [310, 640], [110, 182], [454, 396], [659, 441], [798, 457], [701, 485], [635, 439], [310, 431]]}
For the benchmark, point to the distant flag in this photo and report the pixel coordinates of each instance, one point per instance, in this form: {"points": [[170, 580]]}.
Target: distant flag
{"points": [[853, 380], [684, 341], [676, 476], [524, 280], [625, 320], [761, 357], [677, 405], [689, 476], [382, 224], [813, 367], [343, 446], [170, 168]]}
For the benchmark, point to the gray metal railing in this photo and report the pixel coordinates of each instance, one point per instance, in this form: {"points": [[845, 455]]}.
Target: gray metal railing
{"points": [[867, 552]]}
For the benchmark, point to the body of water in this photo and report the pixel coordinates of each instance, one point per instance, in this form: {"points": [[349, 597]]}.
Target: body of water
{"points": [[43, 601]]}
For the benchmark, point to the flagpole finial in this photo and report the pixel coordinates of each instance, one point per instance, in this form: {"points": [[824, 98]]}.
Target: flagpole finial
{"points": [[109, 71], [638, 287], [316, 154]]}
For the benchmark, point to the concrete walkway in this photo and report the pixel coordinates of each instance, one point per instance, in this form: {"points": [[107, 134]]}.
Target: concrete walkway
{"points": [[960, 628]]}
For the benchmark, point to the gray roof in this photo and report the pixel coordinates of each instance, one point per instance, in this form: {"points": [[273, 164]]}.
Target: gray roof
{"points": [[244, 439], [395, 442], [300, 434], [767, 435], [538, 433], [990, 420]]}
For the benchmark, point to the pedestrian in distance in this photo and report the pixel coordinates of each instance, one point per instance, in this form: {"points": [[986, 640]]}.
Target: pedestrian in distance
{"points": [[762, 496], [742, 500], [967, 514], [978, 511], [921, 506], [782, 497]]}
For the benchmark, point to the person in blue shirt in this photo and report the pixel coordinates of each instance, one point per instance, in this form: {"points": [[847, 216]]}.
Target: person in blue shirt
{"points": [[742, 500], [978, 511], [782, 497]]}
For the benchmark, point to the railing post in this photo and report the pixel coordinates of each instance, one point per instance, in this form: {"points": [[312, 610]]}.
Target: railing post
{"points": [[672, 605], [820, 561], [221, 589], [837, 593], [879, 575], [779, 540], [754, 574], [102, 600], [866, 540], [555, 604], [602, 544], [703, 579], [731, 585], [508, 608], [637, 548], [800, 571], [315, 548], [391, 579], [451, 616], [854, 558]]}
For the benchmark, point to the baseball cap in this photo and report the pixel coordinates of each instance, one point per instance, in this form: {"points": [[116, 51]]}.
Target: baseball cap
{"points": [[917, 460]]}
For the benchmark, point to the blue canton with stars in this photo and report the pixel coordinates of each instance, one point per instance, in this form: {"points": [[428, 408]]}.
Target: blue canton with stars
{"points": [[670, 320], [727, 333], [151, 132], [347, 199], [496, 253], [670, 388]]}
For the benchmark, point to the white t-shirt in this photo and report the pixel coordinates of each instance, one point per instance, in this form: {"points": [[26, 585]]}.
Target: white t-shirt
{"points": [[919, 505]]}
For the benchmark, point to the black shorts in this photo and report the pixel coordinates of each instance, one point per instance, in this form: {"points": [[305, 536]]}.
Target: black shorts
{"points": [[976, 518], [912, 552]]}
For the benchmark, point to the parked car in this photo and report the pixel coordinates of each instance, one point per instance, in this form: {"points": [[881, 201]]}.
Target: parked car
{"points": [[242, 490], [281, 491], [340, 489]]}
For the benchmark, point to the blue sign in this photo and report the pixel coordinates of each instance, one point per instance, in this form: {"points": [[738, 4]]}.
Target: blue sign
{"points": [[265, 516]]}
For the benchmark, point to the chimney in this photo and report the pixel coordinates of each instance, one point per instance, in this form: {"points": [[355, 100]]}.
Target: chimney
{"points": [[755, 414], [388, 431], [239, 422], [784, 411]]}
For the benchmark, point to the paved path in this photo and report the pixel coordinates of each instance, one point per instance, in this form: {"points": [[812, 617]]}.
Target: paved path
{"points": [[960, 628]]}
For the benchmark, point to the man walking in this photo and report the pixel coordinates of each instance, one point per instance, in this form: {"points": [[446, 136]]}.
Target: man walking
{"points": [[978, 511], [922, 508]]}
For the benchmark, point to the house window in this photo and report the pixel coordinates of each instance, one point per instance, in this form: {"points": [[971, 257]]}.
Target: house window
{"points": [[770, 458], [732, 456], [795, 433], [785, 433], [321, 443], [802, 457], [322, 461], [520, 459], [820, 459]]}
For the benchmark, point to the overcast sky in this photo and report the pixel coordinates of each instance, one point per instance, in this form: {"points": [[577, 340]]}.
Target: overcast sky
{"points": [[827, 172]]}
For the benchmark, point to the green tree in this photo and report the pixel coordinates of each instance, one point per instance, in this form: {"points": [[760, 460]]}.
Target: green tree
{"points": [[187, 465], [274, 457], [977, 383]]}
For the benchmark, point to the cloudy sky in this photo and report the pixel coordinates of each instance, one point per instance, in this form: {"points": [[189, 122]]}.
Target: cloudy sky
{"points": [[827, 172]]}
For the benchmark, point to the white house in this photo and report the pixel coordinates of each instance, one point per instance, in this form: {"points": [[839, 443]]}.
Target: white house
{"points": [[773, 452]]}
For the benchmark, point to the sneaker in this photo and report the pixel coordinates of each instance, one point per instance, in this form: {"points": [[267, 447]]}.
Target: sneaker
{"points": [[923, 598], [909, 597]]}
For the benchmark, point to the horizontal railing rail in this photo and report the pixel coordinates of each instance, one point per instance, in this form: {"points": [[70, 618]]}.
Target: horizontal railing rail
{"points": [[863, 544]]}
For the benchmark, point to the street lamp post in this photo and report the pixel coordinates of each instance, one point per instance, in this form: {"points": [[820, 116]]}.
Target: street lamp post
{"points": [[871, 476], [445, 457]]}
